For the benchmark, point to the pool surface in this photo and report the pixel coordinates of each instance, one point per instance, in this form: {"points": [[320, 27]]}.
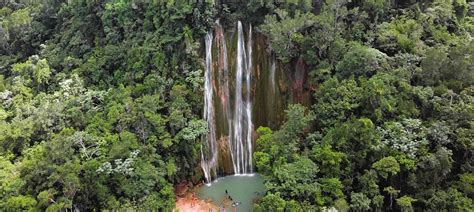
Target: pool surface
{"points": [[243, 189]]}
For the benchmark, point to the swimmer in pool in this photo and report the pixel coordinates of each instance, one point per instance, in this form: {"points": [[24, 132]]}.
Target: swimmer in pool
{"points": [[236, 204]]}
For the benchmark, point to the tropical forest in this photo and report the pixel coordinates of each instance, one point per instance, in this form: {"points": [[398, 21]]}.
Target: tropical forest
{"points": [[237, 105]]}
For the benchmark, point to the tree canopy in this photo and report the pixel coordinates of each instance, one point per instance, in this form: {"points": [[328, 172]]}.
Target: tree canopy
{"points": [[101, 103]]}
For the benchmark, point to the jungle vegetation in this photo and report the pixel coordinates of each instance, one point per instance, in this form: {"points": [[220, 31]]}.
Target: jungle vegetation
{"points": [[101, 103]]}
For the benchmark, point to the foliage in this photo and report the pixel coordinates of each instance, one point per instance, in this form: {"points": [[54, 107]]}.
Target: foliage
{"points": [[284, 31], [97, 110], [392, 87], [361, 61], [402, 34], [272, 202], [359, 202], [407, 137], [101, 105], [387, 166], [405, 203], [337, 101]]}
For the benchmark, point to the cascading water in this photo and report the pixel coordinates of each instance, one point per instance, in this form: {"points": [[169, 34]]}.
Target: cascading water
{"points": [[236, 141], [223, 79], [210, 153], [234, 90], [241, 142], [272, 72], [249, 102]]}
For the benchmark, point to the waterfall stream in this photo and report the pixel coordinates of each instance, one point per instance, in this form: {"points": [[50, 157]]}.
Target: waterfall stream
{"points": [[272, 72], [209, 152], [240, 94], [248, 112], [241, 143]]}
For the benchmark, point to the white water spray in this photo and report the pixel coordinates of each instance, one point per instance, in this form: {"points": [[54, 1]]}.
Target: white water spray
{"points": [[237, 113], [210, 154], [242, 132]]}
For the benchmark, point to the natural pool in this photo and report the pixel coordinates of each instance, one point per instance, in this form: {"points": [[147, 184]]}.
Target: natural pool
{"points": [[243, 189]]}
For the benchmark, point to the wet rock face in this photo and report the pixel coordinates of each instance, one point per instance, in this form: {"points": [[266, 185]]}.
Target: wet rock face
{"points": [[250, 88], [225, 160]]}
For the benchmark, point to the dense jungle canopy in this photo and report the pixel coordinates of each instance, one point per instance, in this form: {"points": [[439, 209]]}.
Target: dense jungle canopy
{"points": [[101, 103]]}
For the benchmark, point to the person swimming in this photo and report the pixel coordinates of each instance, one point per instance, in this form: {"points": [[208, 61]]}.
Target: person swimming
{"points": [[236, 204], [226, 191]]}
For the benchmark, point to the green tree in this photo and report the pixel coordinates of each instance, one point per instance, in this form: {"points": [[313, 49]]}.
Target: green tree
{"points": [[360, 202], [407, 136], [361, 61], [10, 181], [331, 189], [400, 35], [392, 192], [466, 184], [23, 203], [405, 203], [328, 160], [386, 167], [449, 199], [336, 101], [272, 202], [284, 31], [297, 181]]}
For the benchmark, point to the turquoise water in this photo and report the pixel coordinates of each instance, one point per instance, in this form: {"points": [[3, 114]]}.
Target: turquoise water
{"points": [[241, 188]]}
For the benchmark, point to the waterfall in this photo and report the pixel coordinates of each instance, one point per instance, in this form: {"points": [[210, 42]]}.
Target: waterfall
{"points": [[245, 86], [210, 153], [237, 144], [224, 88], [232, 90], [241, 144], [249, 101], [272, 71]]}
